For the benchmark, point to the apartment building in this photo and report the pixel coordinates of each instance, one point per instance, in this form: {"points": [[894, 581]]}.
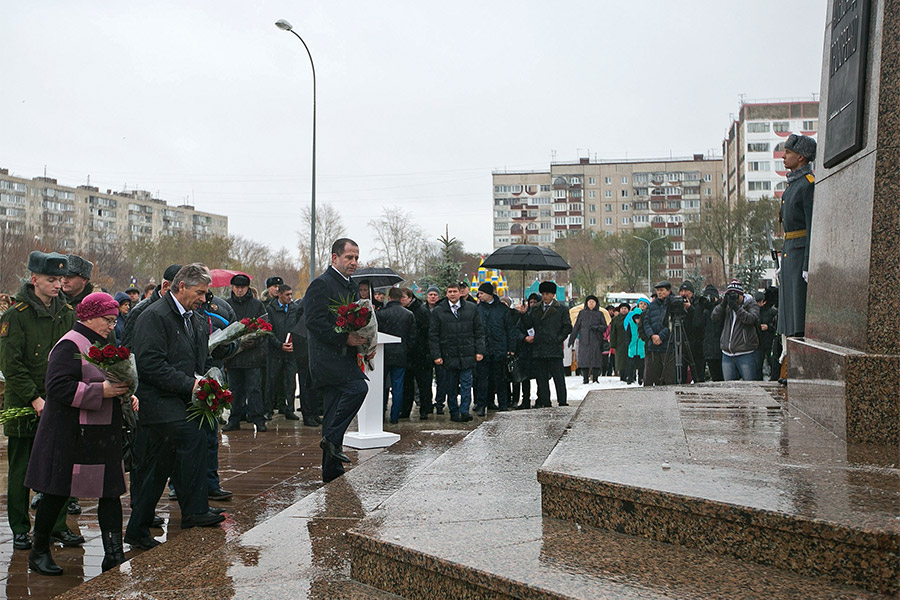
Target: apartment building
{"points": [[753, 151], [86, 219], [539, 207]]}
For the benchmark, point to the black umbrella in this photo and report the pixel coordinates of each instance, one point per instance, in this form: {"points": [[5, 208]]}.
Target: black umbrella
{"points": [[525, 257], [377, 276]]}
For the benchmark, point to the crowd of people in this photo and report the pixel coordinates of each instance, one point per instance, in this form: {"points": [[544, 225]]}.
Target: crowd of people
{"points": [[463, 354]]}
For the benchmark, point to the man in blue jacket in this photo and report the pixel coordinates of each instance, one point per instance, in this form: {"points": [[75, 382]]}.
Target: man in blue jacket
{"points": [[660, 367]]}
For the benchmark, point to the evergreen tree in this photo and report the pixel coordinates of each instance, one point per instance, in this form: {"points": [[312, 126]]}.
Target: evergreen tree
{"points": [[444, 270]]}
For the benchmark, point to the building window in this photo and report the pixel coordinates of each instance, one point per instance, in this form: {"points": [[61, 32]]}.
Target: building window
{"points": [[779, 165], [759, 186], [559, 194], [500, 226], [592, 181], [607, 194], [545, 213], [758, 147], [810, 126], [758, 165], [545, 187], [577, 206], [607, 207], [608, 220], [607, 180], [624, 180], [781, 126], [708, 191], [546, 225], [559, 220], [757, 127], [626, 220], [624, 193], [677, 245], [592, 194], [593, 208], [575, 181], [592, 221], [626, 206], [575, 221]]}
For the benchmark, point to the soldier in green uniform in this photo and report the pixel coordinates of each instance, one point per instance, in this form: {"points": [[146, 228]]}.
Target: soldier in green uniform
{"points": [[76, 283], [796, 220], [28, 331]]}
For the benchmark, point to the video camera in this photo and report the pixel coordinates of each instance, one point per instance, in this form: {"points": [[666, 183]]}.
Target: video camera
{"points": [[676, 307]]}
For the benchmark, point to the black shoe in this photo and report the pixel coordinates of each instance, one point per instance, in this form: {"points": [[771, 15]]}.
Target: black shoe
{"points": [[467, 417], [440, 410], [456, 418], [67, 538], [113, 553], [562, 404], [310, 422], [333, 451], [40, 559], [290, 416], [22, 541], [406, 416], [207, 519], [493, 407], [523, 406], [218, 511], [173, 495], [319, 420], [73, 508], [144, 543], [157, 522], [232, 426], [219, 494], [481, 412], [35, 501], [423, 417], [504, 409], [394, 421], [261, 426]]}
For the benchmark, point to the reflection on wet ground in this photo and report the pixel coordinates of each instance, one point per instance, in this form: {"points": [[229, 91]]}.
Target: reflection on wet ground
{"points": [[268, 473]]}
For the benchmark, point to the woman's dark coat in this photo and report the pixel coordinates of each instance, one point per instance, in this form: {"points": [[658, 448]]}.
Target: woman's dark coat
{"points": [[590, 325], [78, 446]]}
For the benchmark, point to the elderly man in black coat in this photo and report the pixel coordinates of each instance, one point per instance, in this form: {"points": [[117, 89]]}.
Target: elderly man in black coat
{"points": [[333, 364], [395, 320], [171, 346], [456, 341], [500, 337], [245, 369], [281, 367], [552, 326], [418, 366]]}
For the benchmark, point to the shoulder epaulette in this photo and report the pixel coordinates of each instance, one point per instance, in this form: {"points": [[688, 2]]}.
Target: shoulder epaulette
{"points": [[69, 306], [20, 306], [810, 178]]}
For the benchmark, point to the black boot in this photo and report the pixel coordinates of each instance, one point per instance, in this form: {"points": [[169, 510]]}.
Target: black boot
{"points": [[40, 559], [113, 555]]}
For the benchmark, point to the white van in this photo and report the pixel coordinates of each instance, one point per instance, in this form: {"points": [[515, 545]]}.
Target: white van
{"points": [[616, 298]]}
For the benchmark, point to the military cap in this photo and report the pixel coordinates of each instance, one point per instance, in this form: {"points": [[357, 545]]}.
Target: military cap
{"points": [[802, 145], [80, 266], [171, 272], [240, 279], [52, 263], [274, 281], [663, 284]]}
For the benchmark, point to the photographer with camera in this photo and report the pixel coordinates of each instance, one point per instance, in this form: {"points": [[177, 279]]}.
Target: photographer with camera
{"points": [[659, 368], [694, 327], [739, 315], [711, 351]]}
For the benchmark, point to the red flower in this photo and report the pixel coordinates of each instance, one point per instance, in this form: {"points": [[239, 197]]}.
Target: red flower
{"points": [[245, 321], [364, 311], [94, 353], [353, 306], [124, 352], [342, 310], [110, 352], [202, 395], [341, 321], [265, 326]]}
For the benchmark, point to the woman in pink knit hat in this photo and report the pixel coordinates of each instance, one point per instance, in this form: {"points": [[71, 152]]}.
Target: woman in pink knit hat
{"points": [[78, 446]]}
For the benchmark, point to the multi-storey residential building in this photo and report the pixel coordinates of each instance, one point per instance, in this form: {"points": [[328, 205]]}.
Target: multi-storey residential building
{"points": [[539, 207], [87, 219], [753, 151]]}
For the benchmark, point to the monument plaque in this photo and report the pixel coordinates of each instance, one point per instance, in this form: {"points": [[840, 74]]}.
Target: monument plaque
{"points": [[846, 79]]}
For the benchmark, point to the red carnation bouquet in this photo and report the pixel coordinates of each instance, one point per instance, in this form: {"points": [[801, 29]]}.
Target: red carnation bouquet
{"points": [[117, 364], [250, 329], [210, 399], [357, 317]]}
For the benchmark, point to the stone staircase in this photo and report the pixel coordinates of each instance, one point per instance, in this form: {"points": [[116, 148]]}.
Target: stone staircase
{"points": [[707, 491]]}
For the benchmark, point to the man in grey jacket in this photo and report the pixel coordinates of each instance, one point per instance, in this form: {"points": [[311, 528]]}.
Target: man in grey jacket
{"points": [[739, 339]]}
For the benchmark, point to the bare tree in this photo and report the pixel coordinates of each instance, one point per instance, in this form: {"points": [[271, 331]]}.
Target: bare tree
{"points": [[583, 250], [628, 257], [329, 227], [400, 242]]}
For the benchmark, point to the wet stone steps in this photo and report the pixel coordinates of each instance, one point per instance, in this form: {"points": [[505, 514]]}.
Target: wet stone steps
{"points": [[725, 469], [470, 526]]}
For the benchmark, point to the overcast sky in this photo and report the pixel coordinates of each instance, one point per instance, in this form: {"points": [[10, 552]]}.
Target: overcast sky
{"points": [[206, 101]]}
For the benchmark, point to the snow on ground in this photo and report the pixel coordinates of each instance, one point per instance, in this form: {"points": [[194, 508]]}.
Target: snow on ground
{"points": [[576, 390]]}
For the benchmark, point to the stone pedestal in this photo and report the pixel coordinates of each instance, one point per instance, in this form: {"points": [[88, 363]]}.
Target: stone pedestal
{"points": [[845, 372], [370, 419]]}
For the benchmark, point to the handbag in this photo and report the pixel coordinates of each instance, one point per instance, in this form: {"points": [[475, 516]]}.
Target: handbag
{"points": [[514, 370]]}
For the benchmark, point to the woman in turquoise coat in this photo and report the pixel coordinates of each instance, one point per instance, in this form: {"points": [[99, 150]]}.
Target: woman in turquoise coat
{"points": [[635, 365]]}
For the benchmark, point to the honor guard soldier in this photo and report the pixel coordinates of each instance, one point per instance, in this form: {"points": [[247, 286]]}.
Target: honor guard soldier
{"points": [[796, 220], [76, 284], [28, 331]]}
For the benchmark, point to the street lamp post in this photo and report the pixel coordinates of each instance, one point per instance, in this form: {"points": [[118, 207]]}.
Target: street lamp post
{"points": [[286, 26], [649, 243]]}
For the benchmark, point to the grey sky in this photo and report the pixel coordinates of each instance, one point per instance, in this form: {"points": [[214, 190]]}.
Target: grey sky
{"points": [[417, 101]]}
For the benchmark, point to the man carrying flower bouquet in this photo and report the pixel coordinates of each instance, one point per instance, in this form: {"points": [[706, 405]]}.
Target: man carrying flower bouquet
{"points": [[333, 364], [245, 369], [171, 347]]}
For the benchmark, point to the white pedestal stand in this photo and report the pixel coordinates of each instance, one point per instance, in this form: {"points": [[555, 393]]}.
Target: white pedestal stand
{"points": [[370, 419]]}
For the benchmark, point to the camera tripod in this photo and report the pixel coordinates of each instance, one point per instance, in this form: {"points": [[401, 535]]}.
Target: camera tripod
{"points": [[676, 348]]}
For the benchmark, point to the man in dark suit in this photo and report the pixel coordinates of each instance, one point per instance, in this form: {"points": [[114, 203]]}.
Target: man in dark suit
{"points": [[332, 355], [552, 326], [170, 346]]}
